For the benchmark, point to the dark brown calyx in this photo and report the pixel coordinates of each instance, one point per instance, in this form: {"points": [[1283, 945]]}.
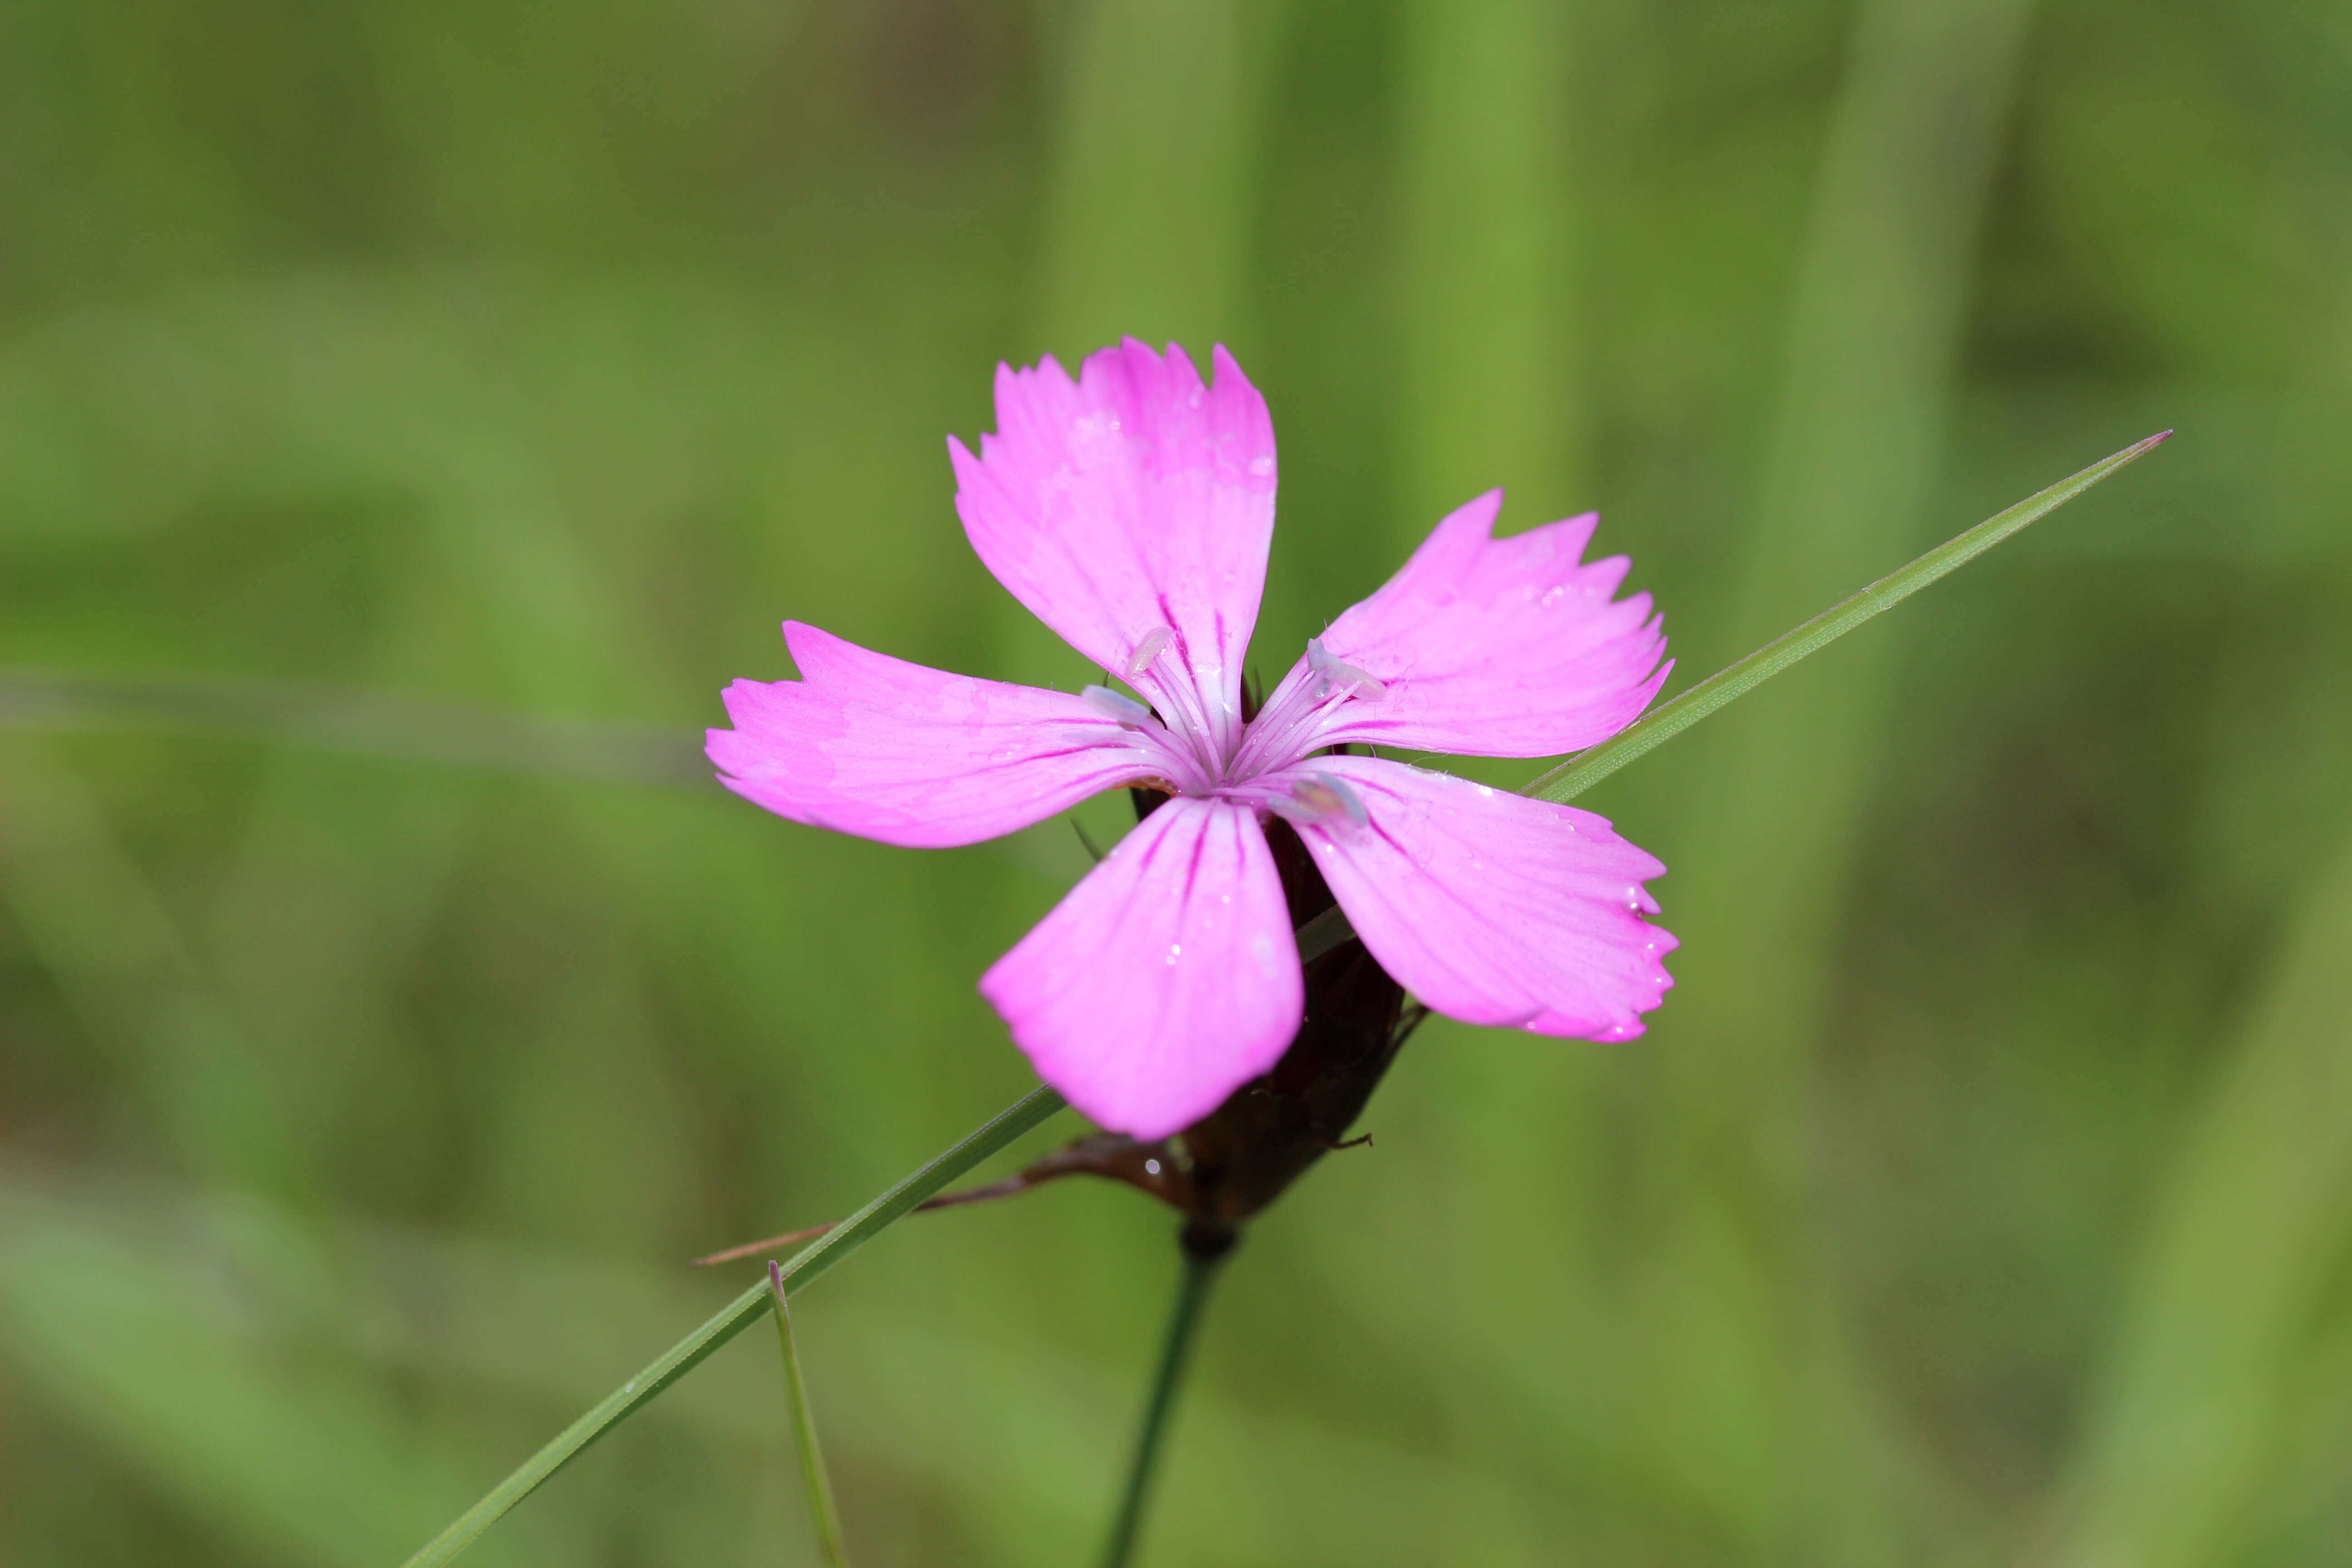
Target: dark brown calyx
{"points": [[1268, 1132]]}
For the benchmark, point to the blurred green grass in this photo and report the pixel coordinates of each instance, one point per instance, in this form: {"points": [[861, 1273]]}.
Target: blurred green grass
{"points": [[1981, 1194]]}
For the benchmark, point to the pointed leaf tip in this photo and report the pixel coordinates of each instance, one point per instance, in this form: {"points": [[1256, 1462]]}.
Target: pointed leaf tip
{"points": [[1581, 772]]}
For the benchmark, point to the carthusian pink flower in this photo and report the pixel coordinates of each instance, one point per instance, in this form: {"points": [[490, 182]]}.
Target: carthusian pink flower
{"points": [[1131, 512]]}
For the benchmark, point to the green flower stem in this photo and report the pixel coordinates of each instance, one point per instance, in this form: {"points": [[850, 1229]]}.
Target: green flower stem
{"points": [[823, 1515], [1581, 772], [683, 1357], [1205, 1250]]}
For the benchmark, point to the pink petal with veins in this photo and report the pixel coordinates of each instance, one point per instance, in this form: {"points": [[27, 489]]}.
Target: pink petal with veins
{"points": [[1496, 648], [873, 745], [1165, 980], [1489, 906], [1131, 510]]}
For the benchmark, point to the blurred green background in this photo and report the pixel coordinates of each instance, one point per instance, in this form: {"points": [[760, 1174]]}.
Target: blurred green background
{"points": [[1983, 1194]]}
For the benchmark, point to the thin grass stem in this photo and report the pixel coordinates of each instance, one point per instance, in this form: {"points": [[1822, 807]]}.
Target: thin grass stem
{"points": [[823, 1517], [1205, 1248], [1581, 772]]}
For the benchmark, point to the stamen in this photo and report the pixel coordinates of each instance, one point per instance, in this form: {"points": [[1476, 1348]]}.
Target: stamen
{"points": [[1150, 648], [1319, 798], [1340, 673], [1122, 711]]}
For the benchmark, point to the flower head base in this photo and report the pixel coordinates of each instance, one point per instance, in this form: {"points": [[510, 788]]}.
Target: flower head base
{"points": [[1132, 509]]}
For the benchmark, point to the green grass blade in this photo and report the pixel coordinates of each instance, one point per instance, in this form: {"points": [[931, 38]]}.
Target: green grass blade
{"points": [[683, 1357], [1581, 772], [823, 1515]]}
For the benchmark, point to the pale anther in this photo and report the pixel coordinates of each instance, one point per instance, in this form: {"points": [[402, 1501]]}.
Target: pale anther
{"points": [[1319, 798], [1120, 709], [1340, 673], [1150, 648]]}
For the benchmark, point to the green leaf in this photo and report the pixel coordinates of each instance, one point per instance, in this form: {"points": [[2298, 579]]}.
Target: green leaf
{"points": [[823, 1515], [1588, 768], [683, 1357]]}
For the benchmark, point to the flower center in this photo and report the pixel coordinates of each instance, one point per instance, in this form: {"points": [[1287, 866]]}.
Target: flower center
{"points": [[1301, 714], [1189, 755]]}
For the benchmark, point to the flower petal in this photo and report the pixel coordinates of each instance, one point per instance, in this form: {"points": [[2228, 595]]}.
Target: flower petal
{"points": [[1166, 979], [1492, 647], [1490, 907], [868, 744], [1131, 512]]}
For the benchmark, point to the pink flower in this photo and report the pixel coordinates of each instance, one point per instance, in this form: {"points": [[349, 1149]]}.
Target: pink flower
{"points": [[1131, 512]]}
